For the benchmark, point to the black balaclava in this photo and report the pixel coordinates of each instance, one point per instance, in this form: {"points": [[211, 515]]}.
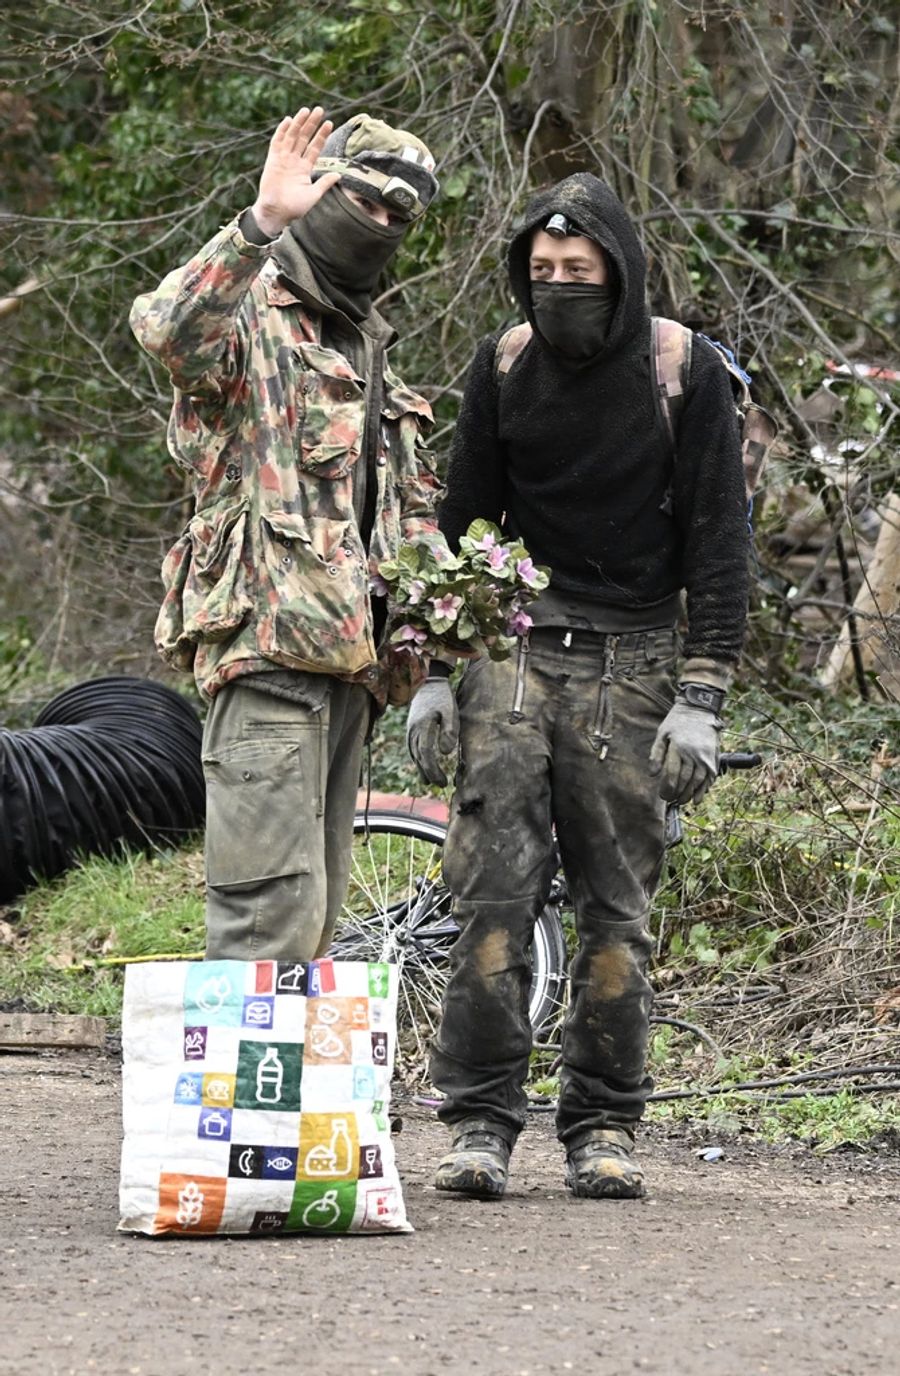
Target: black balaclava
{"points": [[573, 317], [346, 249]]}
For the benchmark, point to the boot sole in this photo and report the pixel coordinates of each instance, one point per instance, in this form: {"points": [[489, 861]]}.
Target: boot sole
{"points": [[605, 1189], [472, 1181]]}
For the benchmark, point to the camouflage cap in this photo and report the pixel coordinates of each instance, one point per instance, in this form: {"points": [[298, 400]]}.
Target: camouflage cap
{"points": [[390, 165]]}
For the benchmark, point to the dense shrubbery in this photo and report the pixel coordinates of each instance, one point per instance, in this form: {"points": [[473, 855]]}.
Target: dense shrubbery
{"points": [[755, 148]]}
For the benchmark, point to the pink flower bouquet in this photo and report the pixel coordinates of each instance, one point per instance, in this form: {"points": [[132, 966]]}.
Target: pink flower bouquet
{"points": [[472, 602]]}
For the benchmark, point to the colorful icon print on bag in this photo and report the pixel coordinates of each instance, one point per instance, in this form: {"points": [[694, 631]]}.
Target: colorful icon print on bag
{"points": [[262, 1163], [189, 1203], [379, 1048], [189, 1088], [329, 1146], [259, 1011], [323, 1034], [379, 980], [379, 1207], [214, 994], [327, 1208], [218, 1091], [195, 1043], [268, 1076], [271, 1221], [264, 977], [321, 978], [329, 1024], [215, 1123], [292, 978], [363, 1082], [280, 1163], [245, 1163], [370, 1166]]}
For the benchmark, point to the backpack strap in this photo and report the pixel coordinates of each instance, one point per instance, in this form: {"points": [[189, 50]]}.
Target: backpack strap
{"points": [[670, 352], [509, 346], [758, 433], [759, 429]]}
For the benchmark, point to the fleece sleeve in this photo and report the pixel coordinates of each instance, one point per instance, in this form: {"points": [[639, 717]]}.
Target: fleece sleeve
{"points": [[475, 474], [711, 512]]}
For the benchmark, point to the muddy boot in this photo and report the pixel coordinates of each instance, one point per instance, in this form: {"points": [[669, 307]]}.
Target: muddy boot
{"points": [[599, 1165], [477, 1163]]}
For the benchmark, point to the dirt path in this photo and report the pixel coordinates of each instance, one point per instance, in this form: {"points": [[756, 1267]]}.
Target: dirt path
{"points": [[763, 1262]]}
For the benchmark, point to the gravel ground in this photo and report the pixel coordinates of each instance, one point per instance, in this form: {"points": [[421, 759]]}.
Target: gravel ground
{"points": [[769, 1260]]}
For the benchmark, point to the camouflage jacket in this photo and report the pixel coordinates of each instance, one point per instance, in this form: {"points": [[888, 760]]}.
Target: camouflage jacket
{"points": [[271, 570]]}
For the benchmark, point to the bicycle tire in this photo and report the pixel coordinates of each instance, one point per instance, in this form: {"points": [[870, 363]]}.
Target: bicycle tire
{"points": [[398, 909]]}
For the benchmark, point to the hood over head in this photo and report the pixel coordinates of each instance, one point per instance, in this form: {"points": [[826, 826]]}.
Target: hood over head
{"points": [[596, 210]]}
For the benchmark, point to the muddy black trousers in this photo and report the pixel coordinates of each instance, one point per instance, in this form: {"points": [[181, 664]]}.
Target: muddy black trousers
{"points": [[558, 736]]}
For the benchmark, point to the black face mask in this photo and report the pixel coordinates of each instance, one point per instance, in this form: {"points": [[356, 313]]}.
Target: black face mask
{"points": [[346, 249], [574, 317]]}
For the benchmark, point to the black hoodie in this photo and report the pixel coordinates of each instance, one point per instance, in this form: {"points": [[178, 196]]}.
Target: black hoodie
{"points": [[573, 458]]}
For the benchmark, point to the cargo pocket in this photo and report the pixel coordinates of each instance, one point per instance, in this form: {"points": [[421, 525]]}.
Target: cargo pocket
{"points": [[173, 643], [334, 413], [655, 681], [645, 691], [216, 598], [262, 801]]}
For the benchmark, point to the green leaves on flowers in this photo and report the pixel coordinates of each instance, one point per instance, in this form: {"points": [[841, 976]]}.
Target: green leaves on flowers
{"points": [[467, 603]]}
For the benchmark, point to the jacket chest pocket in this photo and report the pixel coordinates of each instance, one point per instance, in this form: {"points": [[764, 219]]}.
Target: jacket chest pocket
{"points": [[333, 415]]}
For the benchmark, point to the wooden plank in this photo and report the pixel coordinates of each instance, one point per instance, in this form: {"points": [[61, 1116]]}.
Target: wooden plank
{"points": [[50, 1029]]}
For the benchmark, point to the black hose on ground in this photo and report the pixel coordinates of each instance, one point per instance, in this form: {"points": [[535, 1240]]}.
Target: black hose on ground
{"points": [[110, 762]]}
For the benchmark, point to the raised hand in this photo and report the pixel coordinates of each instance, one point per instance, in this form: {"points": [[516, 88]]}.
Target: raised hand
{"points": [[286, 189]]}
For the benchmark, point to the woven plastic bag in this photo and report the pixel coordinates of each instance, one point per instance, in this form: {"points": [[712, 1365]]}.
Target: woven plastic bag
{"points": [[255, 1098]]}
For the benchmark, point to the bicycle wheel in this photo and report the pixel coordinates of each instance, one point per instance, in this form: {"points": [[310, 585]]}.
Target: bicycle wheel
{"points": [[397, 909]]}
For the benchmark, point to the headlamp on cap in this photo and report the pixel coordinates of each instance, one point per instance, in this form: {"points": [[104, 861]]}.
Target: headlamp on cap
{"points": [[389, 165], [399, 193], [558, 227]]}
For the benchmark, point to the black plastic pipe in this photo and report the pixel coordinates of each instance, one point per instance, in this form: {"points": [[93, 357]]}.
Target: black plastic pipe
{"points": [[110, 762]]}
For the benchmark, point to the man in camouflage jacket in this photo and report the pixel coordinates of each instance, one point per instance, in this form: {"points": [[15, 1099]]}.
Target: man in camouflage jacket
{"points": [[306, 455]]}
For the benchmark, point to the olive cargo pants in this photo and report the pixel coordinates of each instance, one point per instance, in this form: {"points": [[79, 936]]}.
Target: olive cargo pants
{"points": [[559, 735], [281, 784]]}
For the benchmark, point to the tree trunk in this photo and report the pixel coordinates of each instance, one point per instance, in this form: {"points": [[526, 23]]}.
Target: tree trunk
{"points": [[876, 614]]}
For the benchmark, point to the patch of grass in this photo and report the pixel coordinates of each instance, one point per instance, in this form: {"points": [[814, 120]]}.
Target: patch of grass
{"points": [[821, 1122], [828, 1121], [106, 909]]}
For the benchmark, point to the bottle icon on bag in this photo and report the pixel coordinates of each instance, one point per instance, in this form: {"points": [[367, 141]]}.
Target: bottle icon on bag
{"points": [[340, 1148], [269, 1077]]}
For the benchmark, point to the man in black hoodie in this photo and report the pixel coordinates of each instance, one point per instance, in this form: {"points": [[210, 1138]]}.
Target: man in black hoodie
{"points": [[601, 718]]}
